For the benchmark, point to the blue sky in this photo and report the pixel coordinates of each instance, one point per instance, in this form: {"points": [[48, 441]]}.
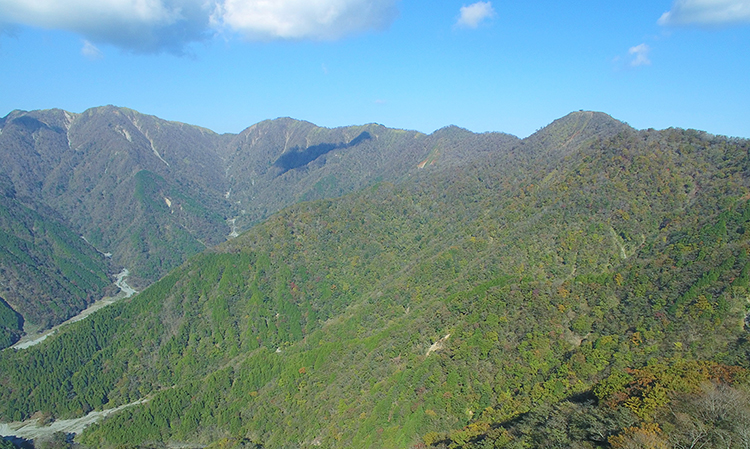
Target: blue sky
{"points": [[486, 66]]}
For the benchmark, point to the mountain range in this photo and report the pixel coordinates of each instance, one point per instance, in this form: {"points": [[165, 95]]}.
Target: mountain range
{"points": [[149, 193], [586, 286]]}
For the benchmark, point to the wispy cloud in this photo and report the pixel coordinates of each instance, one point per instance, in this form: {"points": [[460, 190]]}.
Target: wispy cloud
{"points": [[706, 13], [90, 51], [155, 26], [473, 15], [639, 55]]}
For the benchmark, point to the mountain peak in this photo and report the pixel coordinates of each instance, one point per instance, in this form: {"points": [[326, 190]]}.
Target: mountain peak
{"points": [[451, 131], [585, 122], [569, 132]]}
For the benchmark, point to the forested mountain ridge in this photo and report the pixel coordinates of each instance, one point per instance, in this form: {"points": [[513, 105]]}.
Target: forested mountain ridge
{"points": [[150, 192], [438, 310], [112, 173], [47, 272], [266, 158]]}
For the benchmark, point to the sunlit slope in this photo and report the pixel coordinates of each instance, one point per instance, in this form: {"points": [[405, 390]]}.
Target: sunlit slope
{"points": [[370, 320], [150, 192]]}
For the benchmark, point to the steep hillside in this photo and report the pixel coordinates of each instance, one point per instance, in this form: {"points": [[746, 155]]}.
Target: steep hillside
{"points": [[280, 162], [151, 193], [427, 312], [47, 272], [145, 190]]}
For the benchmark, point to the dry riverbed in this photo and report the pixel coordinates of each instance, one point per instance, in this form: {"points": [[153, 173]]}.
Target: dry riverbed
{"points": [[32, 429], [126, 291]]}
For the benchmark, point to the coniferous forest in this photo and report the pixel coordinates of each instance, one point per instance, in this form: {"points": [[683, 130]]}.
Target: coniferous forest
{"points": [[585, 287]]}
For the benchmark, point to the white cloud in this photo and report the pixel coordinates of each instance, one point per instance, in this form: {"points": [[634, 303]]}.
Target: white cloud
{"points": [[472, 15], [707, 12], [152, 26], [90, 51], [640, 55], [304, 19], [141, 26]]}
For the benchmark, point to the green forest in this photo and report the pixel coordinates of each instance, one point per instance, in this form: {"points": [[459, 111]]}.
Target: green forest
{"points": [[49, 273], [587, 287]]}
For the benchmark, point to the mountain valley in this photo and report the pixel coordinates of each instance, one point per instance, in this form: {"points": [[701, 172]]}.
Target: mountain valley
{"points": [[586, 286], [146, 193]]}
